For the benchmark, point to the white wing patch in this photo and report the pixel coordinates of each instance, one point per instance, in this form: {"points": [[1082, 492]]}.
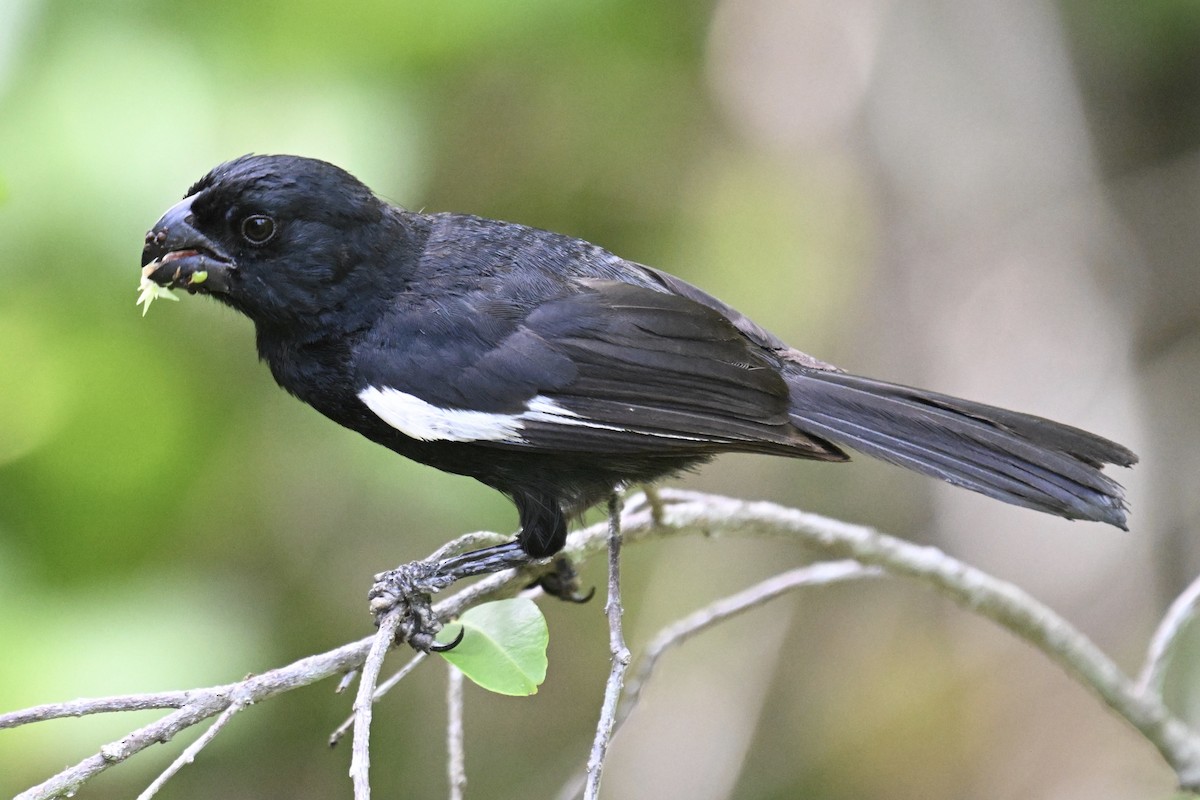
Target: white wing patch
{"points": [[415, 417]]}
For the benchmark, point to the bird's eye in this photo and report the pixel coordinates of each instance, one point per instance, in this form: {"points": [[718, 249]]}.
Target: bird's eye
{"points": [[258, 228]]}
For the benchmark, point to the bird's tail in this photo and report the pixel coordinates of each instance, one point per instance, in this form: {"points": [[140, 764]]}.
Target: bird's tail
{"points": [[1014, 457]]}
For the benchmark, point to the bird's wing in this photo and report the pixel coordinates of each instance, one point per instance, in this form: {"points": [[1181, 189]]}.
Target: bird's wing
{"points": [[748, 327], [607, 367]]}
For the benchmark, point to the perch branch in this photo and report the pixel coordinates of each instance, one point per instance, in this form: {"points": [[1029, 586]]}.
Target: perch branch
{"points": [[971, 588], [618, 650], [455, 750], [711, 615], [192, 750], [364, 703], [383, 689], [685, 513], [679, 631], [99, 705], [196, 705]]}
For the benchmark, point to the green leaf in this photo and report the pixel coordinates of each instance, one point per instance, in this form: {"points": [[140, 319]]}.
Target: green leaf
{"points": [[504, 646]]}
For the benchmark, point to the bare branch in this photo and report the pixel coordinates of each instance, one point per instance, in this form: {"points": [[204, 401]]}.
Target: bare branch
{"points": [[1162, 644], [712, 615], [343, 685], [455, 752], [204, 703], [197, 705], [650, 493], [99, 705], [383, 689], [687, 513], [977, 591], [620, 654], [364, 703], [723, 609], [192, 750]]}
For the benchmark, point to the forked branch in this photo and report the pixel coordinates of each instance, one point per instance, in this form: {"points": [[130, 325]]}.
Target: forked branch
{"points": [[675, 512]]}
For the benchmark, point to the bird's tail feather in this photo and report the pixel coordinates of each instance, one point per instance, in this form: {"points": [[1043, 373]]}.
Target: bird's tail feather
{"points": [[1014, 457]]}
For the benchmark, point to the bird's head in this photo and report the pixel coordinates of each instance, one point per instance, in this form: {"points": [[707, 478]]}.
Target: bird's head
{"points": [[283, 239]]}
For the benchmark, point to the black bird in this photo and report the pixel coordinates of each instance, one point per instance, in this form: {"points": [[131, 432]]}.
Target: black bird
{"points": [[554, 371]]}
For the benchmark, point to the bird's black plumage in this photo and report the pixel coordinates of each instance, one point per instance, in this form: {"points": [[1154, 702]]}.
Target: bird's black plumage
{"points": [[550, 369]]}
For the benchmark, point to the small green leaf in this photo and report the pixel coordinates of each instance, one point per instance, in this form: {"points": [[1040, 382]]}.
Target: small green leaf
{"points": [[504, 649], [198, 277]]}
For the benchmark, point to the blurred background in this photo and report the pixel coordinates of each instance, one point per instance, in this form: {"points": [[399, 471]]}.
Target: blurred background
{"points": [[996, 200]]}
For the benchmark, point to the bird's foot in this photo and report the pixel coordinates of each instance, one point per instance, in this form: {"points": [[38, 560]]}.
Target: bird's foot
{"points": [[408, 588], [563, 582]]}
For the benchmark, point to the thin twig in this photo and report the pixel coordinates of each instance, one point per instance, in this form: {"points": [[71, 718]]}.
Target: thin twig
{"points": [[97, 705], [208, 702], [687, 513], [344, 684], [382, 689], [712, 615], [360, 754], [971, 588], [720, 610], [655, 502], [192, 750], [620, 654], [205, 703], [1162, 644], [455, 752]]}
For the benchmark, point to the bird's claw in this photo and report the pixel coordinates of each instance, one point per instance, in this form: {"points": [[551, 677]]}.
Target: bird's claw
{"points": [[406, 590], [563, 582], [444, 647], [577, 596]]}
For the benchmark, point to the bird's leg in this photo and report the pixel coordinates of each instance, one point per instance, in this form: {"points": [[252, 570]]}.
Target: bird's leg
{"points": [[543, 533], [561, 582], [410, 586], [485, 561]]}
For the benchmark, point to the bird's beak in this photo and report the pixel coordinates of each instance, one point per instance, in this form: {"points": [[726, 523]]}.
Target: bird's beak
{"points": [[179, 256]]}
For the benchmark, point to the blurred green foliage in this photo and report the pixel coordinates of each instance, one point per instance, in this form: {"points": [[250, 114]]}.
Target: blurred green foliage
{"points": [[169, 518]]}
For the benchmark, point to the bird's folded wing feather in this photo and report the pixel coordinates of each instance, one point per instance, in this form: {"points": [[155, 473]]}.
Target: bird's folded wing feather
{"points": [[607, 367]]}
